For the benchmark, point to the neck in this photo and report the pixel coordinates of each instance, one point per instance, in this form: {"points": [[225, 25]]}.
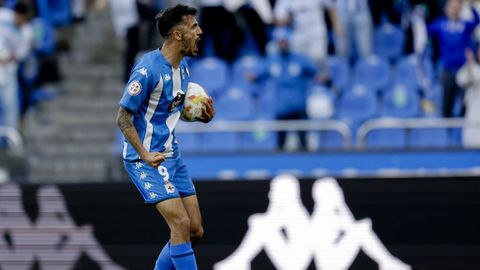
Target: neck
{"points": [[172, 53]]}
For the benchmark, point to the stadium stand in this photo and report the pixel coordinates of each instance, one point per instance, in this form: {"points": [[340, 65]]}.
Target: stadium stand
{"points": [[71, 136], [388, 41], [212, 73], [374, 72]]}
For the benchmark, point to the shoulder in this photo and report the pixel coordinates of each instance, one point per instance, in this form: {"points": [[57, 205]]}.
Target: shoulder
{"points": [[148, 65]]}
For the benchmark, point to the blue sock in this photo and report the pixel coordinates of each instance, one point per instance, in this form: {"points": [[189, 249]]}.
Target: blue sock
{"points": [[183, 256], [164, 261]]}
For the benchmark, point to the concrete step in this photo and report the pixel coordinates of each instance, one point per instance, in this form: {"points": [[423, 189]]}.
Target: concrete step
{"points": [[76, 135], [70, 169], [85, 73], [110, 87], [78, 111], [51, 150], [83, 102], [67, 119]]}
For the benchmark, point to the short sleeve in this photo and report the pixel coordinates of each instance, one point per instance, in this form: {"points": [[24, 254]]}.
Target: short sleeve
{"points": [[140, 84]]}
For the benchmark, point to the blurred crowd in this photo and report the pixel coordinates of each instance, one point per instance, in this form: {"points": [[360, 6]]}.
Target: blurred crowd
{"points": [[27, 59], [349, 47]]}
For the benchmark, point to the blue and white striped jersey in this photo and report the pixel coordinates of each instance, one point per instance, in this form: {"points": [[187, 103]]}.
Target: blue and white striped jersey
{"points": [[154, 94]]}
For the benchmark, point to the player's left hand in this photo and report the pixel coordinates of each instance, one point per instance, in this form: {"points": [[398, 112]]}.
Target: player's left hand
{"points": [[208, 111]]}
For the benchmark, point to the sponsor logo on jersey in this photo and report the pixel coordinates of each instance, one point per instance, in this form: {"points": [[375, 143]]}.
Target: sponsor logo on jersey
{"points": [[153, 195], [134, 88], [143, 71], [138, 165], [148, 185], [143, 175], [177, 101]]}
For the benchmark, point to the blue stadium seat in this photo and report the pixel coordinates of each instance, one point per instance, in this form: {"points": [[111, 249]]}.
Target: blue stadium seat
{"points": [[212, 73], [410, 70], [55, 12], [339, 71], [330, 140], [357, 105], [265, 102], [235, 104], [429, 138], [386, 139], [456, 137], [400, 102], [188, 142], [388, 41], [244, 65], [372, 71], [260, 140]]}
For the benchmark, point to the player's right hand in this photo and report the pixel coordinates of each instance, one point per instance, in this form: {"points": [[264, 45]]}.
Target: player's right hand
{"points": [[153, 158]]}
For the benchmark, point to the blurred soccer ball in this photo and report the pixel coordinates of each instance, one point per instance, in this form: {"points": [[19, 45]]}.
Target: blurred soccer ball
{"points": [[194, 102]]}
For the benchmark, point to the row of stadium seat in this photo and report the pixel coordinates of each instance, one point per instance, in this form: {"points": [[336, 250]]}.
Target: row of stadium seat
{"points": [[374, 72], [425, 138]]}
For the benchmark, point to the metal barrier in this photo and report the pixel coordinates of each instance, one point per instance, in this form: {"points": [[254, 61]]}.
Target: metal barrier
{"points": [[13, 137], [407, 123], [271, 125]]}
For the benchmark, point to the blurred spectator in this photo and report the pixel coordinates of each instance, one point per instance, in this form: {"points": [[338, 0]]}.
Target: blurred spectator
{"points": [[386, 11], [306, 18], [416, 31], [79, 9], [16, 39], [126, 20], [290, 74], [468, 77], [253, 17], [467, 14], [356, 21], [221, 31], [452, 36]]}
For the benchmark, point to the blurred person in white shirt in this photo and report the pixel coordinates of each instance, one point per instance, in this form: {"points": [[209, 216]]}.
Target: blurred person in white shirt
{"points": [[356, 21], [16, 40], [307, 20]]}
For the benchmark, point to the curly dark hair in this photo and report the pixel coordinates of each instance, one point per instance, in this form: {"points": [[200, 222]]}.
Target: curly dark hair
{"points": [[170, 17]]}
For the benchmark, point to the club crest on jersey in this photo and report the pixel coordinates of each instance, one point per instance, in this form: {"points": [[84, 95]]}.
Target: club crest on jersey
{"points": [[169, 187], [134, 88], [167, 77], [177, 101]]}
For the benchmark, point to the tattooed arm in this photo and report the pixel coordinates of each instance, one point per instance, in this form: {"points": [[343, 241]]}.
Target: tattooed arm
{"points": [[124, 122]]}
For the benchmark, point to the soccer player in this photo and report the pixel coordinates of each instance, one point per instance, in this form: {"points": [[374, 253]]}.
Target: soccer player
{"points": [[149, 111]]}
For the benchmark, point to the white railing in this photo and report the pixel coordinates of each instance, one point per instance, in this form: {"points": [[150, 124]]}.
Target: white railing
{"points": [[407, 123], [13, 138], [271, 125]]}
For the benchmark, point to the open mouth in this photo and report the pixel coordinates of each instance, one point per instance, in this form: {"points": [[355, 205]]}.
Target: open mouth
{"points": [[195, 45]]}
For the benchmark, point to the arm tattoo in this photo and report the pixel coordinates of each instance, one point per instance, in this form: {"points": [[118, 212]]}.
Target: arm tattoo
{"points": [[124, 119], [124, 122]]}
